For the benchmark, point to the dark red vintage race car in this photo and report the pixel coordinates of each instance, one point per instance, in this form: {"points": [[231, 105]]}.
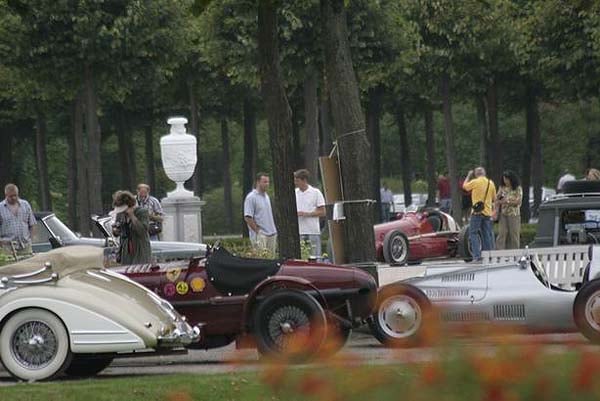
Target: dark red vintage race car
{"points": [[269, 304], [424, 234]]}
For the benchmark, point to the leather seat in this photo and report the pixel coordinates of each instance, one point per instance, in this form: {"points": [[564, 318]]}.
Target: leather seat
{"points": [[435, 221], [235, 275]]}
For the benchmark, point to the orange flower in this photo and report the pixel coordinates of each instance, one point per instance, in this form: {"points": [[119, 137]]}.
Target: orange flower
{"points": [[589, 365], [431, 374], [179, 396]]}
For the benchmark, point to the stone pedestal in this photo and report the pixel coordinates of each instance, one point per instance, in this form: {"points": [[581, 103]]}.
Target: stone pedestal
{"points": [[183, 219]]}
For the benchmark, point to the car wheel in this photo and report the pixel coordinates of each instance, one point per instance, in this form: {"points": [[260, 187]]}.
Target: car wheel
{"points": [[401, 314], [395, 248], [88, 365], [586, 310], [290, 324], [34, 345]]}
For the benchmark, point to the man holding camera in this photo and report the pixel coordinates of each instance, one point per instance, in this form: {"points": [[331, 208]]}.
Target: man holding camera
{"points": [[155, 212], [483, 193]]}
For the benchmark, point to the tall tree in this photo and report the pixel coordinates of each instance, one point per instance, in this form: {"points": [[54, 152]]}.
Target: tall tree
{"points": [[311, 123], [404, 155], [352, 141], [279, 117], [249, 158], [41, 159], [374, 111], [431, 160], [227, 197]]}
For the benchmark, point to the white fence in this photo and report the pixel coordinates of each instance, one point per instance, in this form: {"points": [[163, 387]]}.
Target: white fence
{"points": [[564, 265]]}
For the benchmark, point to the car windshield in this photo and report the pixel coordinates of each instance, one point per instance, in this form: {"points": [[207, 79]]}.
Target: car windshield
{"points": [[59, 229]]}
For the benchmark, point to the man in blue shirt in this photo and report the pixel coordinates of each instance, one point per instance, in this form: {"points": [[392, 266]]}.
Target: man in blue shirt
{"points": [[258, 215], [16, 221]]}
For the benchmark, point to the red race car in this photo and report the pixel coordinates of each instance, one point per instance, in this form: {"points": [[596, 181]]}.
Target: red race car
{"points": [[268, 304], [424, 234]]}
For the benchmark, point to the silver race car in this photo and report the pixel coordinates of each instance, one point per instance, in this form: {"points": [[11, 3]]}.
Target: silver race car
{"points": [[513, 294]]}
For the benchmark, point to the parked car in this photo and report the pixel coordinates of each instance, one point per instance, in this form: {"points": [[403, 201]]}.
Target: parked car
{"points": [[51, 233], [511, 294], [424, 234], [62, 312], [267, 304], [570, 218]]}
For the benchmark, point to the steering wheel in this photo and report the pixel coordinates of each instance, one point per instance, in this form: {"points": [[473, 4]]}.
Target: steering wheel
{"points": [[539, 272]]}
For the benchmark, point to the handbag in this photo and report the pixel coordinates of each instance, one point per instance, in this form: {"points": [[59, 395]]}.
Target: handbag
{"points": [[479, 206]]}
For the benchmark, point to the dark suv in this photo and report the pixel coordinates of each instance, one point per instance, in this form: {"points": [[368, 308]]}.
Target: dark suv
{"points": [[570, 218]]}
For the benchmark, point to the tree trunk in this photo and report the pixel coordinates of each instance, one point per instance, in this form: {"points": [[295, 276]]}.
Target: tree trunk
{"points": [[150, 173], [526, 162], [6, 160], [41, 159], [311, 124], [450, 147], [249, 164], [94, 161], [83, 189], [430, 148], [197, 181], [72, 173], [404, 155], [325, 124], [496, 156], [296, 147], [124, 139], [484, 142], [227, 197], [353, 145], [374, 133], [537, 170], [279, 117]]}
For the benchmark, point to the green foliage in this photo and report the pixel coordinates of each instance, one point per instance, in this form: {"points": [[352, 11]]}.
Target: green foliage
{"points": [[5, 258]]}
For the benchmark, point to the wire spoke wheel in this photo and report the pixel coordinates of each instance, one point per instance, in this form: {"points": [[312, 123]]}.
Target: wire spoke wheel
{"points": [[34, 345], [291, 324]]}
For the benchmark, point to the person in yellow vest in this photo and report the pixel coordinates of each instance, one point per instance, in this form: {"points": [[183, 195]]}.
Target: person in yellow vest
{"points": [[483, 193]]}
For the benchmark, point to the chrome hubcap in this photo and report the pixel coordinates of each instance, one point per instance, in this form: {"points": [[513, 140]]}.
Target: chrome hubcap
{"points": [[592, 311], [399, 316], [34, 345], [287, 323], [398, 249]]}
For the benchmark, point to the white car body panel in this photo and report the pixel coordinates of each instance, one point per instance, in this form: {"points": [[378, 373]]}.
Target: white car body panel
{"points": [[89, 332]]}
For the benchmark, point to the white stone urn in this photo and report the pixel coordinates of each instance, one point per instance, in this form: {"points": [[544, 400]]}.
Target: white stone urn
{"points": [[178, 152]]}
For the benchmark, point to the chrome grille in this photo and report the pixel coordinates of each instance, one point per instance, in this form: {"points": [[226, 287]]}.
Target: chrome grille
{"points": [[457, 277], [464, 316], [446, 292], [509, 312]]}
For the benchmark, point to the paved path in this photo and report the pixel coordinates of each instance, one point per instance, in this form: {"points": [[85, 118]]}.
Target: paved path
{"points": [[361, 344]]}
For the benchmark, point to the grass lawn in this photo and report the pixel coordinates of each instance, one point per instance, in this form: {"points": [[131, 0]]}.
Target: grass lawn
{"points": [[512, 373]]}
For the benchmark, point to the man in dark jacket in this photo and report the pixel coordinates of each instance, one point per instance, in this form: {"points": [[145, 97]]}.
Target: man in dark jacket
{"points": [[131, 227]]}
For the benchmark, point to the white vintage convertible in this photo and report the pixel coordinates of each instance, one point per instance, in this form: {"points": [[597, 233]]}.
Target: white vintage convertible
{"points": [[62, 312]]}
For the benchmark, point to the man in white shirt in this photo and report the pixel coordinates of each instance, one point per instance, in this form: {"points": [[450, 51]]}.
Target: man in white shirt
{"points": [[311, 206]]}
